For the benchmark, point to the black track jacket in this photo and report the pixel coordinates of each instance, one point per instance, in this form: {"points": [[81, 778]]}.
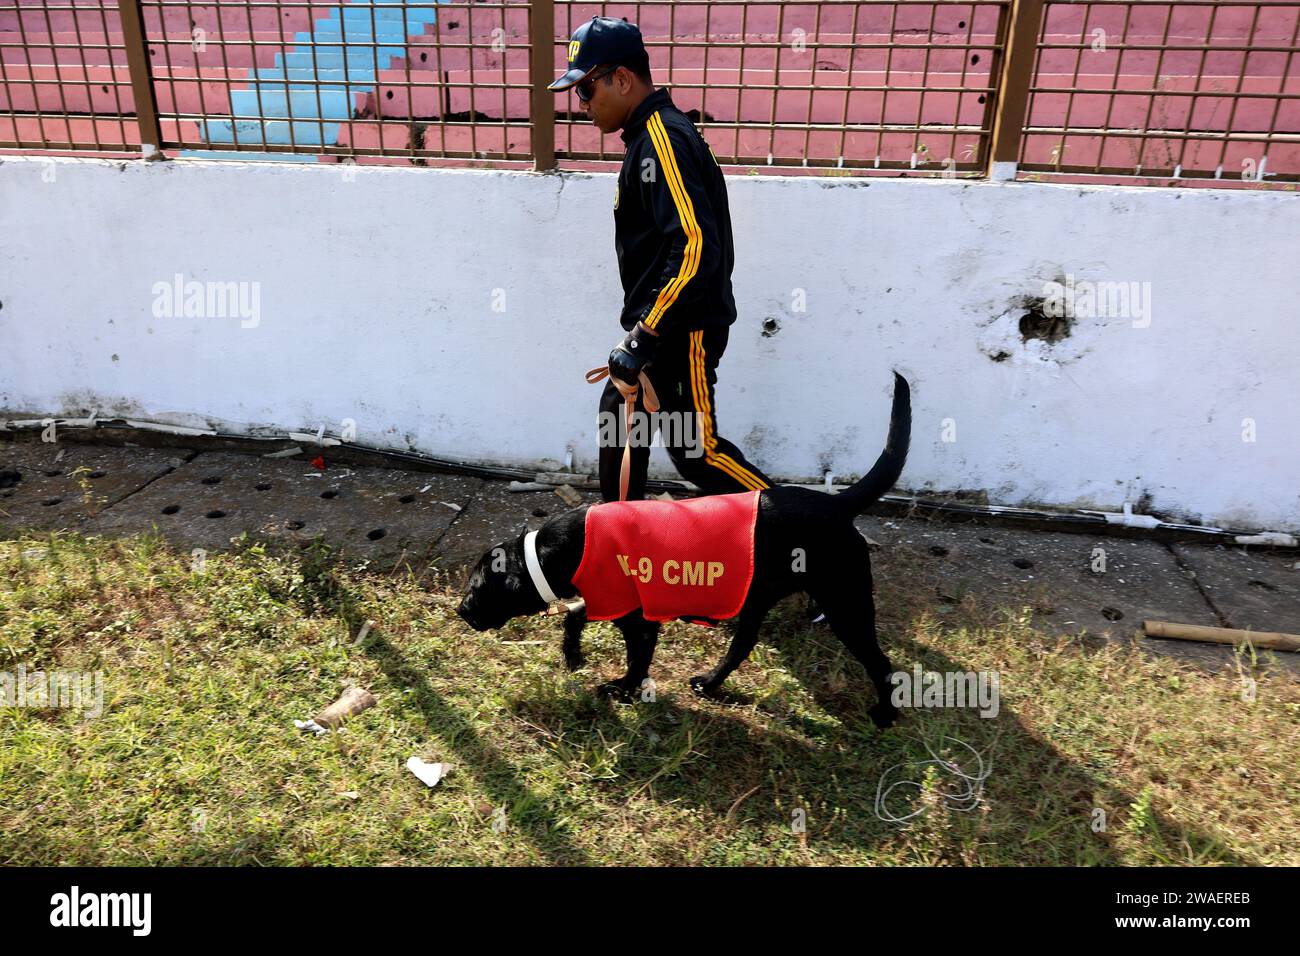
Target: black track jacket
{"points": [[672, 227]]}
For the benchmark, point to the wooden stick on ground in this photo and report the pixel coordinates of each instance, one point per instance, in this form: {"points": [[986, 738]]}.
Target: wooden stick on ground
{"points": [[353, 701], [1272, 640]]}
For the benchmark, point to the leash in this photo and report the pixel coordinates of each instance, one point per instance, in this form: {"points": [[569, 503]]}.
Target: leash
{"points": [[629, 393], [556, 605]]}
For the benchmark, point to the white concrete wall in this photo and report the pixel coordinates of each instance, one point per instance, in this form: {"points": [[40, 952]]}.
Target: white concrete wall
{"points": [[376, 304]]}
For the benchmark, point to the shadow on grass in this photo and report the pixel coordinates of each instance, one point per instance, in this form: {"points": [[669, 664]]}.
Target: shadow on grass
{"points": [[537, 819], [1037, 807], [751, 774], [1039, 802]]}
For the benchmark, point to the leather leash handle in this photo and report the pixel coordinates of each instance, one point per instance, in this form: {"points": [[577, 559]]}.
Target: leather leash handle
{"points": [[629, 393], [651, 396]]}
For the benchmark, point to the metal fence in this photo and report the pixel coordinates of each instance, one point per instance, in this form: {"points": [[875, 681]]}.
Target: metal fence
{"points": [[1197, 90], [1188, 90]]}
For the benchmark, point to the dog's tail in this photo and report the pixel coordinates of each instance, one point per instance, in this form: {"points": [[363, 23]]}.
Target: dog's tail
{"points": [[857, 498]]}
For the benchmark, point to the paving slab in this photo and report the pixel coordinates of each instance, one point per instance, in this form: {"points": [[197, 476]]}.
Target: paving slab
{"points": [[206, 499], [1051, 573], [49, 496], [377, 513], [1253, 589], [495, 514]]}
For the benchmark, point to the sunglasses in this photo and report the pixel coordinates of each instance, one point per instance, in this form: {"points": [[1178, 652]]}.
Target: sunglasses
{"points": [[587, 88]]}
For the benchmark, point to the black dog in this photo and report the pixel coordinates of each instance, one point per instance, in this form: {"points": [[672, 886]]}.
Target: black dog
{"points": [[833, 566]]}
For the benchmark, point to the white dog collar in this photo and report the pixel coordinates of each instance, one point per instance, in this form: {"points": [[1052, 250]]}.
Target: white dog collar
{"points": [[535, 569]]}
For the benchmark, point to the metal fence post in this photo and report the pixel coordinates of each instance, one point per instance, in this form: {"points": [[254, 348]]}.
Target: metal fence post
{"points": [[1012, 94], [137, 60], [541, 39]]}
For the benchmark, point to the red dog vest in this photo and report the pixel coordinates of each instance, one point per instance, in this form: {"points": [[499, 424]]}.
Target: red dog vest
{"points": [[692, 559]]}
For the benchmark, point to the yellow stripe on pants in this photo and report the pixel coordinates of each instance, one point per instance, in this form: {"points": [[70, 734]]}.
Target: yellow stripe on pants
{"points": [[700, 392]]}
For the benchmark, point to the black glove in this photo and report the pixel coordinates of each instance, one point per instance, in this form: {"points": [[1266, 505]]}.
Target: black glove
{"points": [[632, 355]]}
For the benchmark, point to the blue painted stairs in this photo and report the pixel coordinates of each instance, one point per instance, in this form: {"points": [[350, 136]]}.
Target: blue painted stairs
{"points": [[311, 86]]}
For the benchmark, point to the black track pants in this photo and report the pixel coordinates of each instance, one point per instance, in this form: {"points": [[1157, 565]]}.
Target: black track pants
{"points": [[683, 373]]}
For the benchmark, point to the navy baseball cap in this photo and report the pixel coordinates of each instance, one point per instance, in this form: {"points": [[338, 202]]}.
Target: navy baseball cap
{"points": [[599, 40]]}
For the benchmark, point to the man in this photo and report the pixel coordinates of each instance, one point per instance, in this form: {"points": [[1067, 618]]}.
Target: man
{"points": [[672, 234]]}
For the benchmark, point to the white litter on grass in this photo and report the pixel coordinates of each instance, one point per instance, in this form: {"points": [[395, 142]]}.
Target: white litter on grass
{"points": [[429, 773], [311, 727], [450, 505], [425, 488]]}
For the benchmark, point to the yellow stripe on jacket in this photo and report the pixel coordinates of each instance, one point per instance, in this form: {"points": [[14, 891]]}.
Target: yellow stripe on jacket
{"points": [[685, 212]]}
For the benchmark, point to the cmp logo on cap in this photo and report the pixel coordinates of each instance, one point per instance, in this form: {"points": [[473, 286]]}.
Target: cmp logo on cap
{"points": [[573, 49]]}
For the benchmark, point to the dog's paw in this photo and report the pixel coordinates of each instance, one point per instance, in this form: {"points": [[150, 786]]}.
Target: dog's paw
{"points": [[613, 690], [700, 684], [883, 715], [574, 660]]}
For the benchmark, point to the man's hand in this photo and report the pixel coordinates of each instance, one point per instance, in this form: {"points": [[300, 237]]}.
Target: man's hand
{"points": [[632, 355]]}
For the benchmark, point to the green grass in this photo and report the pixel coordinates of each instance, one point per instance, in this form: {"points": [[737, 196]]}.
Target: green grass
{"points": [[195, 759]]}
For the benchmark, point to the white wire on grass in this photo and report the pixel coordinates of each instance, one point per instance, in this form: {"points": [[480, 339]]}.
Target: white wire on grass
{"points": [[961, 802]]}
